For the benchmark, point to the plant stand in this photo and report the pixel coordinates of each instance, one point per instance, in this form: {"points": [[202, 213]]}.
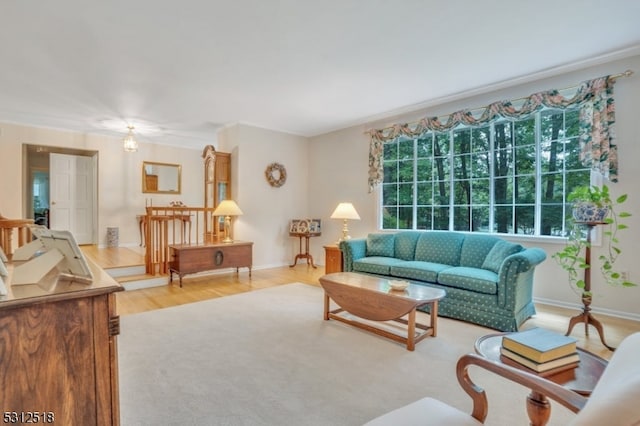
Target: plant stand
{"points": [[586, 316]]}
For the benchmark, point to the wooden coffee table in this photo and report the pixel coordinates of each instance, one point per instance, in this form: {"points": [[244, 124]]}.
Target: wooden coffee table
{"points": [[581, 379], [371, 298]]}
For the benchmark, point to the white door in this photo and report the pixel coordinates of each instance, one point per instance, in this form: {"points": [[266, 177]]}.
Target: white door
{"points": [[72, 186]]}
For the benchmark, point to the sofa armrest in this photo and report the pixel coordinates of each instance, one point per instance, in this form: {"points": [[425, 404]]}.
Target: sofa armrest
{"points": [[524, 260], [515, 278], [352, 250]]}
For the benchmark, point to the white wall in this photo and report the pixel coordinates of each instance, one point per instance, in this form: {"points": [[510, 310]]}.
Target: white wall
{"points": [[267, 210], [120, 196], [338, 172]]}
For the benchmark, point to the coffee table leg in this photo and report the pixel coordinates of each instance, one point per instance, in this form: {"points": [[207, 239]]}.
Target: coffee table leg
{"points": [[434, 318], [411, 330], [326, 306]]}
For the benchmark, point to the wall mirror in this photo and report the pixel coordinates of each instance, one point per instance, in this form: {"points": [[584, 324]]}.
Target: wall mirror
{"points": [[161, 178]]}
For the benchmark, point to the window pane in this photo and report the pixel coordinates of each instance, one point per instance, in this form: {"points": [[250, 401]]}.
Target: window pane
{"points": [[462, 192], [425, 147], [525, 189], [480, 139], [405, 218], [525, 132], [480, 192], [441, 146], [405, 194], [441, 218], [425, 169], [390, 217], [552, 219], [390, 150], [424, 218], [480, 165], [461, 166], [441, 193], [551, 125], [525, 220], [480, 221], [461, 218], [425, 193], [389, 194], [441, 168], [405, 150], [503, 190], [462, 141], [525, 159], [503, 219], [390, 170]]}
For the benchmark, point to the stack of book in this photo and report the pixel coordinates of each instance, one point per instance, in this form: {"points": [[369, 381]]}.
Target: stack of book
{"points": [[543, 351]]}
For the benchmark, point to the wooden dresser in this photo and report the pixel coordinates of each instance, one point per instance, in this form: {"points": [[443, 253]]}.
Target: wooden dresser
{"points": [[58, 352], [332, 259], [189, 259]]}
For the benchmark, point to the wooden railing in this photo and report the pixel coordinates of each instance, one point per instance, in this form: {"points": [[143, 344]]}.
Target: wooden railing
{"points": [[10, 226], [164, 226]]}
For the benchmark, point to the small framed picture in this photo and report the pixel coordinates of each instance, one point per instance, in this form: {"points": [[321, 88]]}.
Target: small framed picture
{"points": [[315, 226]]}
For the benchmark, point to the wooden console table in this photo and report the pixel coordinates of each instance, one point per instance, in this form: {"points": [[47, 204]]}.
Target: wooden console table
{"points": [[190, 259], [59, 350]]}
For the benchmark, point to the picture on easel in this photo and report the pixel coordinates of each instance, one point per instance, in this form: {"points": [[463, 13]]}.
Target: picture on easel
{"points": [[305, 226]]}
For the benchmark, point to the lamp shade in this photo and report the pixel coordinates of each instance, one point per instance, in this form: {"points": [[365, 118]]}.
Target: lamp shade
{"points": [[227, 208], [345, 211]]}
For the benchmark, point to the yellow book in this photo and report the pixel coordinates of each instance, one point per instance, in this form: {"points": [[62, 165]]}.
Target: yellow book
{"points": [[569, 361], [539, 345]]}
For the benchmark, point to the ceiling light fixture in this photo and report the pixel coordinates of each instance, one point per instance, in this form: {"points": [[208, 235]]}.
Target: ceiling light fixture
{"points": [[129, 143]]}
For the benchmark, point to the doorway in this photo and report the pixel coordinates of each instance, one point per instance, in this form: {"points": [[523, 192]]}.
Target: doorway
{"points": [[47, 181]]}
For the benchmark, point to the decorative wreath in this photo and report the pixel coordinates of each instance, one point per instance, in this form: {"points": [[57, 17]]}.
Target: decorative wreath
{"points": [[273, 170]]}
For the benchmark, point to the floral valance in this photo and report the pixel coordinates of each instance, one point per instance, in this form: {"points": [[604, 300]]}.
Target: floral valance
{"points": [[597, 119]]}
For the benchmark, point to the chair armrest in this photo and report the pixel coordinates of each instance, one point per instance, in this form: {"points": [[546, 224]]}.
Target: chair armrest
{"points": [[563, 396]]}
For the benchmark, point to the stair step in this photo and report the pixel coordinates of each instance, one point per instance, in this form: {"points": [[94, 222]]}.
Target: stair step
{"points": [[136, 282]]}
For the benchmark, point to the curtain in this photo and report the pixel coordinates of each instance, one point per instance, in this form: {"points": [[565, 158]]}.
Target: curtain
{"points": [[597, 120]]}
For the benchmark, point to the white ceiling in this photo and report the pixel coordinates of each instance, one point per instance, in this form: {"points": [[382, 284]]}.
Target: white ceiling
{"points": [[185, 68]]}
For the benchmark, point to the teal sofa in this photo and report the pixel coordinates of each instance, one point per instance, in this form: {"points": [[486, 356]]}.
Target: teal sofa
{"points": [[488, 281]]}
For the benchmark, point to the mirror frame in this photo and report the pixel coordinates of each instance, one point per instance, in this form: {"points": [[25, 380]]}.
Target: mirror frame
{"points": [[147, 190]]}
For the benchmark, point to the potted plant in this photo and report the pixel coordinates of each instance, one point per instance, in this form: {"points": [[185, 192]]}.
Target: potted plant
{"points": [[593, 205]]}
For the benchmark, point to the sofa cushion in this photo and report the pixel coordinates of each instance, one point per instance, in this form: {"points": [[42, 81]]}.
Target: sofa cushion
{"points": [[416, 270], [440, 247], [475, 249], [381, 245], [473, 279], [406, 244], [500, 251], [375, 264]]}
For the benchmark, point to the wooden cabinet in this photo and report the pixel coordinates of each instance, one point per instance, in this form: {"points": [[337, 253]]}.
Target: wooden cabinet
{"points": [[58, 353], [333, 259], [186, 259]]}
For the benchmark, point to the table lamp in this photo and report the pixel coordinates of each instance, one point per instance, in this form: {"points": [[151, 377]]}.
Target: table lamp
{"points": [[227, 208], [345, 211]]}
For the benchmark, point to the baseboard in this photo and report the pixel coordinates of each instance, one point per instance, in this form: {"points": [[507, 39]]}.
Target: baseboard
{"points": [[609, 312]]}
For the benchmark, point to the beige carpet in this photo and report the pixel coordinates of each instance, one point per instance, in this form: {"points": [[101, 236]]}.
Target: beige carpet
{"points": [[268, 358]]}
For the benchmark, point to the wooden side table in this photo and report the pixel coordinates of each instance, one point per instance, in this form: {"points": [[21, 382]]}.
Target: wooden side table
{"points": [[306, 254], [581, 379], [332, 259]]}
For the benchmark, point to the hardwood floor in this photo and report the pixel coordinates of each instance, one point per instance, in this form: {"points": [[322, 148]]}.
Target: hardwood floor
{"points": [[197, 288]]}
